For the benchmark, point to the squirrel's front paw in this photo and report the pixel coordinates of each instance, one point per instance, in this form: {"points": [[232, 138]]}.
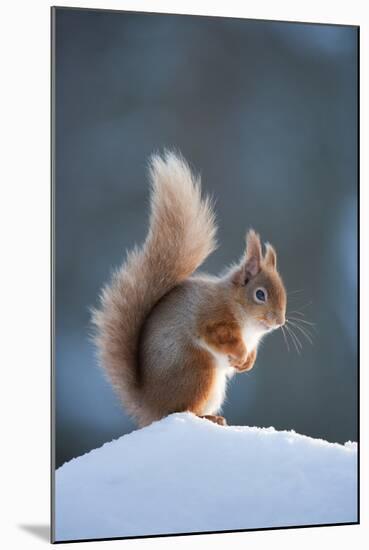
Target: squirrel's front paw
{"points": [[246, 365], [237, 362]]}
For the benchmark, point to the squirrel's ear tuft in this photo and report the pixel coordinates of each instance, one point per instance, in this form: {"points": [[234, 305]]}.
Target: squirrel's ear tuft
{"points": [[251, 264], [253, 255], [270, 257]]}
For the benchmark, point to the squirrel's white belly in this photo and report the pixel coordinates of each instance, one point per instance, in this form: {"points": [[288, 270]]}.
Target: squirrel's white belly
{"points": [[223, 371]]}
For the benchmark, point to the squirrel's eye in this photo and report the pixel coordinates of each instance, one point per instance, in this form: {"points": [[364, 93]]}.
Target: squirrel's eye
{"points": [[260, 295]]}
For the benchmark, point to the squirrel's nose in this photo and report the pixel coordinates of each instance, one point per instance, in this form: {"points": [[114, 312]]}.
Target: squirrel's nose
{"points": [[277, 318]]}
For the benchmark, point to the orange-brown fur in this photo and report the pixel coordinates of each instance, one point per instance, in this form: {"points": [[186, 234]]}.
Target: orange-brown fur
{"points": [[168, 339], [223, 333]]}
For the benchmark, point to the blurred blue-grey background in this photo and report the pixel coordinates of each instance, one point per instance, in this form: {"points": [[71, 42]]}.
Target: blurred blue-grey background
{"points": [[267, 112]]}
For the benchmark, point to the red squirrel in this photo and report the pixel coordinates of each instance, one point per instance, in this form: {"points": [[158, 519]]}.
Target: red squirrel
{"points": [[168, 339]]}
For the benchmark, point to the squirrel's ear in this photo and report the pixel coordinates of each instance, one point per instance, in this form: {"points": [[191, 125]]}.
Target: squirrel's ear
{"points": [[270, 257], [253, 254], [251, 264]]}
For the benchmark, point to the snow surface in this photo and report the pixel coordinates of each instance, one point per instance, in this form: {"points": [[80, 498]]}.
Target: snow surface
{"points": [[186, 474]]}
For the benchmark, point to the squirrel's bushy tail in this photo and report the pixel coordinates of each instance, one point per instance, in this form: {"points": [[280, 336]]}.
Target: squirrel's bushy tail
{"points": [[181, 235]]}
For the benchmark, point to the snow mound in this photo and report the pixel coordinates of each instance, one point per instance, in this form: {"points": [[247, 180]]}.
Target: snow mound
{"points": [[186, 474]]}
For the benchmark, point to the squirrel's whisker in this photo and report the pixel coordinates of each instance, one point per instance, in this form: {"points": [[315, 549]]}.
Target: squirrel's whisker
{"points": [[307, 329], [297, 338], [287, 333], [302, 321], [304, 306], [285, 339], [304, 332], [293, 338]]}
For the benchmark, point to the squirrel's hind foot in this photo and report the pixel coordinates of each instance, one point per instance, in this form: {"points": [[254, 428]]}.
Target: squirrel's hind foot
{"points": [[215, 418]]}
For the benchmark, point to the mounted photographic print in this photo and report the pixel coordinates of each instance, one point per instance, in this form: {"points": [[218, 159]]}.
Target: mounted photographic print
{"points": [[205, 259]]}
